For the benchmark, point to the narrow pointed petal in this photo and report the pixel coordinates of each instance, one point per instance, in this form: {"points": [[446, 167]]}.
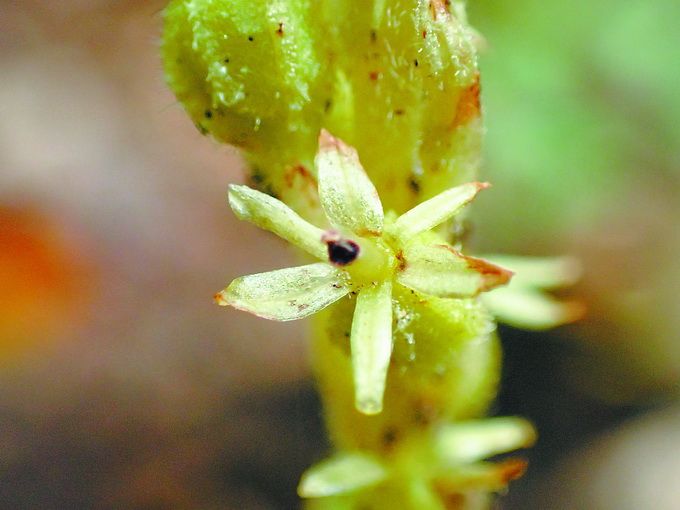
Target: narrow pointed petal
{"points": [[371, 342], [341, 474], [441, 271], [436, 210], [482, 476], [286, 294], [271, 214], [540, 272], [474, 440], [347, 195], [527, 308]]}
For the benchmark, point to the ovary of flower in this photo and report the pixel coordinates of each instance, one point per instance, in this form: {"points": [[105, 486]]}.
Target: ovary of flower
{"points": [[363, 255]]}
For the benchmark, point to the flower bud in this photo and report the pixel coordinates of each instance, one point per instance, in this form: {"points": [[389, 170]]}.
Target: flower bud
{"points": [[397, 79], [244, 71]]}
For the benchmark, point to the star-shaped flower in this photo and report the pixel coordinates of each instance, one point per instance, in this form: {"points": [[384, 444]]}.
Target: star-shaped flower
{"points": [[446, 461], [364, 253]]}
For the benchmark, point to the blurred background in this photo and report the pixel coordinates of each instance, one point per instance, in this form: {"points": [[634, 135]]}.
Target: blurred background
{"points": [[123, 386]]}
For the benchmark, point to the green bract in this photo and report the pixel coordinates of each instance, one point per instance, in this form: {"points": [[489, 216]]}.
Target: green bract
{"points": [[366, 254]]}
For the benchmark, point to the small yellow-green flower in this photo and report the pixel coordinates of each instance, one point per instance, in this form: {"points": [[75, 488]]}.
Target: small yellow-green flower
{"points": [[364, 253], [446, 461]]}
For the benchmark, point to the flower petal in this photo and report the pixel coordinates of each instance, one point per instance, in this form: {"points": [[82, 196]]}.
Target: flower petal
{"points": [[540, 272], [286, 294], [474, 440], [528, 308], [271, 214], [347, 194], [439, 270], [371, 343], [482, 476], [434, 211], [341, 474]]}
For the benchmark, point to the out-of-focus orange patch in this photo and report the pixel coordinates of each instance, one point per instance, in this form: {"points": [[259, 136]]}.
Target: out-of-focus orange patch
{"points": [[43, 281]]}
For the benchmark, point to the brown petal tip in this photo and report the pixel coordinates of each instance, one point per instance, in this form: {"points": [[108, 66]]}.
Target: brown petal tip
{"points": [[492, 275], [510, 470], [220, 300], [328, 141]]}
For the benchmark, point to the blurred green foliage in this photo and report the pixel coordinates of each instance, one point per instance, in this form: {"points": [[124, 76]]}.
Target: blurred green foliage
{"points": [[581, 108], [581, 102]]}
